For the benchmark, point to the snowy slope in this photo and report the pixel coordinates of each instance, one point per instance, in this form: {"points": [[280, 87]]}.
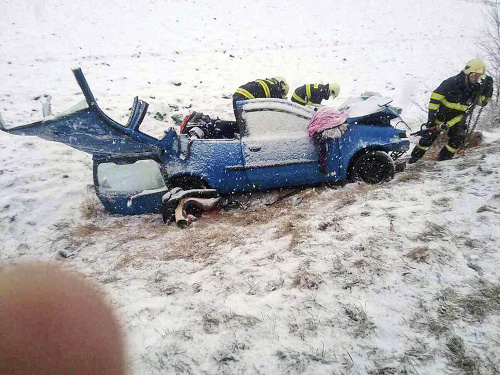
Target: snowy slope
{"points": [[361, 279]]}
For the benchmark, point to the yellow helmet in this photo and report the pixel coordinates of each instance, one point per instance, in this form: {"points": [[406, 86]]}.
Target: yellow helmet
{"points": [[333, 89], [283, 84], [475, 66]]}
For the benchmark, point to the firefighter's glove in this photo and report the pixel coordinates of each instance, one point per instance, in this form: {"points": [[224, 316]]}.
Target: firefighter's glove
{"points": [[483, 102]]}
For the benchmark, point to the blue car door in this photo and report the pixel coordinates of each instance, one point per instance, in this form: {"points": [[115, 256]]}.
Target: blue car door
{"points": [[129, 185], [278, 151]]}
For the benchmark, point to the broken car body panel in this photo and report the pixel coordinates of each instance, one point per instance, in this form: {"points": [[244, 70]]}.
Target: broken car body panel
{"points": [[118, 178], [272, 150], [89, 129]]}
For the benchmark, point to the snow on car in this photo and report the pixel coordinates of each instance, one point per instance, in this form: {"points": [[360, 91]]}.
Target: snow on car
{"points": [[268, 148]]}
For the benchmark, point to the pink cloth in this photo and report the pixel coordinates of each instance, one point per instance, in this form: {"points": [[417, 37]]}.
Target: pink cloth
{"points": [[326, 118]]}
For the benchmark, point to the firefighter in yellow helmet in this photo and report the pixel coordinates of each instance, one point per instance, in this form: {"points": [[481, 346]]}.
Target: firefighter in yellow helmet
{"points": [[449, 107], [311, 94], [276, 87]]}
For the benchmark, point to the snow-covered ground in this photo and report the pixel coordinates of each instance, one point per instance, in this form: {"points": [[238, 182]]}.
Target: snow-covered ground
{"points": [[397, 278]]}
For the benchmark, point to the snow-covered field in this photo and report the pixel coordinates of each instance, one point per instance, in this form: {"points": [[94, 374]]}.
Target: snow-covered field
{"points": [[390, 279]]}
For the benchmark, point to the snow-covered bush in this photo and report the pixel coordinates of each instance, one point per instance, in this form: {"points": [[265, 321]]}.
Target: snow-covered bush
{"points": [[490, 44]]}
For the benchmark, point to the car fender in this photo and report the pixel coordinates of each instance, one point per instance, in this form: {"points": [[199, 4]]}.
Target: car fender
{"points": [[360, 138]]}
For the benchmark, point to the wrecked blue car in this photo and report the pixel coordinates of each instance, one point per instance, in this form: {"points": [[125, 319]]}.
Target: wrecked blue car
{"points": [[267, 148]]}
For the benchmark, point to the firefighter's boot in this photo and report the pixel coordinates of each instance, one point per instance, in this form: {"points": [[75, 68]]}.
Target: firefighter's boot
{"points": [[446, 153], [416, 154]]}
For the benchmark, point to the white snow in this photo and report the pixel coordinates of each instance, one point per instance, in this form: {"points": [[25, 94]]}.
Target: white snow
{"points": [[347, 280]]}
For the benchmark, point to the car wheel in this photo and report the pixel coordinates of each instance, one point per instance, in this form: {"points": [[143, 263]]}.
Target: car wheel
{"points": [[373, 167], [187, 183]]}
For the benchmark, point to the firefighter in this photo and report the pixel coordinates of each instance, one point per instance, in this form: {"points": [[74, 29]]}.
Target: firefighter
{"points": [[449, 107], [311, 94], [276, 87]]}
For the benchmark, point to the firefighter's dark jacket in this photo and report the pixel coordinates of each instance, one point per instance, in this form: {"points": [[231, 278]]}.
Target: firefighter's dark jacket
{"points": [[260, 88], [310, 94], [454, 96]]}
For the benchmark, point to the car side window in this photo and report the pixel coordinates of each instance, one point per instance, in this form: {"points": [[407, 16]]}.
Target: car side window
{"points": [[129, 178], [275, 124]]}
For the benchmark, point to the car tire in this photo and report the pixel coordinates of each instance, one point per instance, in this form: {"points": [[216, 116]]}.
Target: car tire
{"points": [[373, 167]]}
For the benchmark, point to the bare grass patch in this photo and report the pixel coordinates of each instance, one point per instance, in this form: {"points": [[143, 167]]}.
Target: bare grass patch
{"points": [[81, 234], [91, 208], [345, 198], [410, 176], [192, 251], [442, 202], [363, 325], [459, 358], [86, 230], [419, 254], [128, 258], [432, 232], [303, 279], [297, 362], [257, 215], [201, 245], [472, 307], [294, 229], [485, 300], [333, 223]]}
